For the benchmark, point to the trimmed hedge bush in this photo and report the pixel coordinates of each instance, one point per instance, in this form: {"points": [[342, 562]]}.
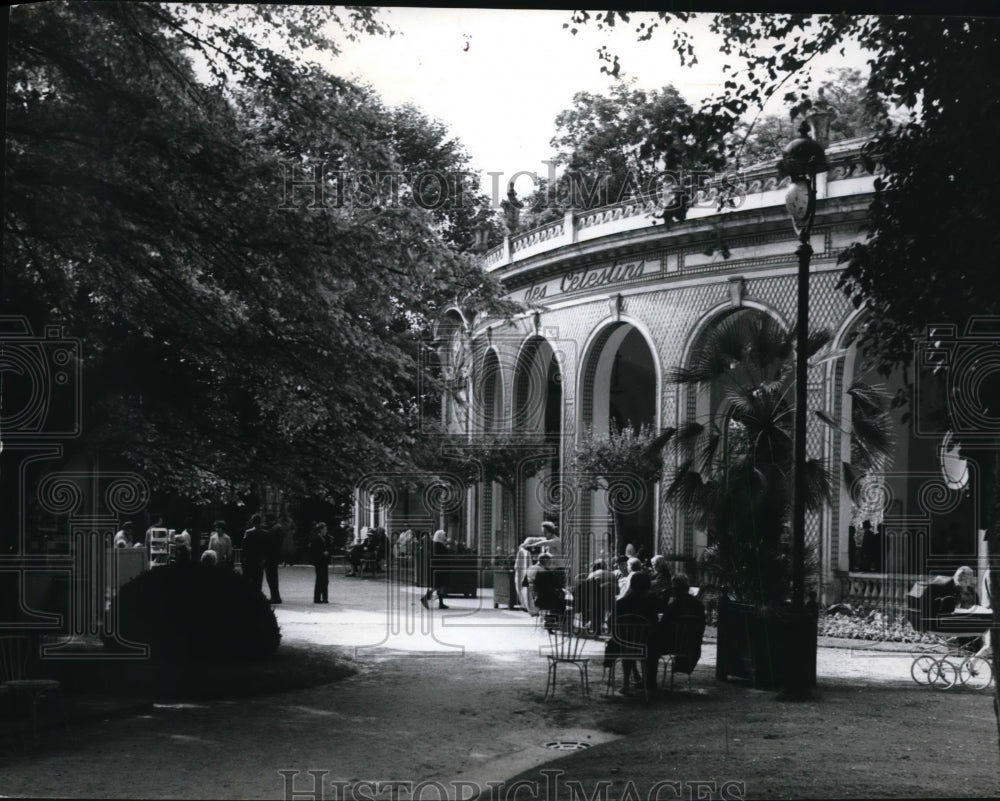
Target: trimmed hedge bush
{"points": [[192, 612]]}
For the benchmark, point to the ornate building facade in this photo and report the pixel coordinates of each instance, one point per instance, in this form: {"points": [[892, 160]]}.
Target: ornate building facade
{"points": [[615, 300]]}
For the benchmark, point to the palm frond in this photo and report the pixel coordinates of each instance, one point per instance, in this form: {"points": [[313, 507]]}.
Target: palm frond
{"points": [[869, 399], [872, 441], [817, 340], [655, 448], [819, 484]]}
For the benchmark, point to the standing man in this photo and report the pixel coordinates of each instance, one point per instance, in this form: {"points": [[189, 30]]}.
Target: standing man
{"points": [[255, 544], [319, 557], [272, 557]]}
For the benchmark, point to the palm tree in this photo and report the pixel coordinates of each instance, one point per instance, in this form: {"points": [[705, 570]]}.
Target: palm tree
{"points": [[735, 469]]}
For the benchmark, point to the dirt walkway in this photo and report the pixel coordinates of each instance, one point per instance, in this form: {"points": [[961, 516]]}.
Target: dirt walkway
{"points": [[456, 704]]}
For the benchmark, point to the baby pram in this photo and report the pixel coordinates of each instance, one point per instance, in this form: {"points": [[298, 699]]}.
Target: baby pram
{"points": [[931, 607]]}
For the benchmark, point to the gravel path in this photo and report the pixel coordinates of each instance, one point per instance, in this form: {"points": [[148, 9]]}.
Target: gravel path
{"points": [[452, 696]]}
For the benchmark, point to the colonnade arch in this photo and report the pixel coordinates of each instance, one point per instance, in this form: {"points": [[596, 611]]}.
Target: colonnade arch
{"points": [[537, 410], [923, 522], [618, 388]]}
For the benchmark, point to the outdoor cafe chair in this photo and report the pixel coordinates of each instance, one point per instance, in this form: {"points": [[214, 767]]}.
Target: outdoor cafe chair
{"points": [[629, 641], [14, 656], [566, 643]]}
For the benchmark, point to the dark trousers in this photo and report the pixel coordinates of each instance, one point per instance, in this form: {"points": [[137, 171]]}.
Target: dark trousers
{"points": [[254, 574], [322, 588], [271, 572]]}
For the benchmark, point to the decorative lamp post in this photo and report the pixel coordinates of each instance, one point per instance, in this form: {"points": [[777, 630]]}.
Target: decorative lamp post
{"points": [[802, 160]]}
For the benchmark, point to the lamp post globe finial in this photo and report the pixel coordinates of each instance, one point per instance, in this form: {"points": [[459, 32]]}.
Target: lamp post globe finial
{"points": [[803, 157]]}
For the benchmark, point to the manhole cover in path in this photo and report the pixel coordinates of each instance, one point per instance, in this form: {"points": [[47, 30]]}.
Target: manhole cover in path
{"points": [[567, 745]]}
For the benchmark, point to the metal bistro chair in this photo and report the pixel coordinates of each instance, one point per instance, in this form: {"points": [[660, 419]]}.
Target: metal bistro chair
{"points": [[14, 657], [566, 643], [629, 641]]}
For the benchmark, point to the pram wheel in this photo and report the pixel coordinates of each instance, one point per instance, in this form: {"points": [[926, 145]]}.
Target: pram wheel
{"points": [[976, 673], [944, 675], [921, 670]]}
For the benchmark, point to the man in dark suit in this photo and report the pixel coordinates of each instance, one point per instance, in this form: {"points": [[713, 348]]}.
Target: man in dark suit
{"points": [[272, 556], [254, 554], [319, 557]]}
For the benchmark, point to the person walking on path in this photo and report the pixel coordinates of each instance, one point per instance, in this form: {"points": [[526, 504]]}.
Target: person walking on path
{"points": [[438, 582], [319, 558]]}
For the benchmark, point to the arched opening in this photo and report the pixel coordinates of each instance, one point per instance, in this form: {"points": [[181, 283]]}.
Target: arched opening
{"points": [[922, 517], [538, 402], [618, 392], [489, 408]]}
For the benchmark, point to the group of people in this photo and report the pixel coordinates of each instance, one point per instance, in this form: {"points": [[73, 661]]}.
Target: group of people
{"points": [[648, 597], [657, 603], [370, 547], [865, 555], [216, 548]]}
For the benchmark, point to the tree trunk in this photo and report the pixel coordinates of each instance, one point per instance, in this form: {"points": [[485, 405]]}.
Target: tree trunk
{"points": [[993, 555]]}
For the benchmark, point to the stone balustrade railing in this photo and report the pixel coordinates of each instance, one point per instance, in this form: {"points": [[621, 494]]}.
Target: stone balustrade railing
{"points": [[885, 592], [845, 160], [535, 236]]}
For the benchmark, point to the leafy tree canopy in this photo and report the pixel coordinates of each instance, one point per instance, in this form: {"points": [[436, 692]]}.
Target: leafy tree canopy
{"points": [[925, 257], [764, 138], [162, 207], [615, 146]]}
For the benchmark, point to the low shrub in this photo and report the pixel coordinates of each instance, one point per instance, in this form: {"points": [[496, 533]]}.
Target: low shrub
{"points": [[195, 612]]}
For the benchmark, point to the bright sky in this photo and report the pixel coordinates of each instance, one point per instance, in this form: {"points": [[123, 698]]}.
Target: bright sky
{"points": [[497, 78]]}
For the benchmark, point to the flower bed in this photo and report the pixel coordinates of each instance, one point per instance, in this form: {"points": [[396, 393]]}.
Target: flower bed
{"points": [[870, 625]]}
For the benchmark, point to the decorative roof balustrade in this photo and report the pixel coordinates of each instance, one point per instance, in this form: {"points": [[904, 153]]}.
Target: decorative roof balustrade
{"points": [[755, 187]]}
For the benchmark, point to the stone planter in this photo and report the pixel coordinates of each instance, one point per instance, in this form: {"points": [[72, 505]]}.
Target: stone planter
{"points": [[504, 590], [765, 645]]}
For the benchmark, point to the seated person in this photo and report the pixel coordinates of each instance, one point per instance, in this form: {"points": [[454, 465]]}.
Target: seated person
{"points": [[123, 538], [621, 572], [660, 585], [594, 597], [671, 637], [546, 585], [376, 546], [965, 584], [635, 604], [600, 572], [632, 566], [357, 551]]}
